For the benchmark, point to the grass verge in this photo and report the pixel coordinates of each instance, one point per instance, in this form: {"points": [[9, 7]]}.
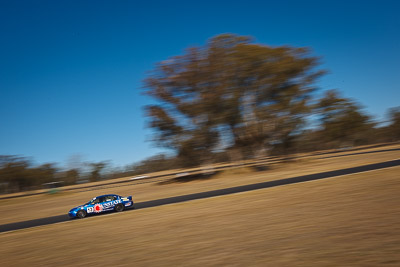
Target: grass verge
{"points": [[347, 221]]}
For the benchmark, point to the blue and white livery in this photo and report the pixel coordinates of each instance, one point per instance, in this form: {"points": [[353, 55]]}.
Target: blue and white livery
{"points": [[101, 204]]}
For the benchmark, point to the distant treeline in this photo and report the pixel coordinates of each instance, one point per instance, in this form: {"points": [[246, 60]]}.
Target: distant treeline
{"points": [[226, 101], [21, 174]]}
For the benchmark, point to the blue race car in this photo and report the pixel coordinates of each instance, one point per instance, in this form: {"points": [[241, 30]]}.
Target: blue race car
{"points": [[101, 204]]}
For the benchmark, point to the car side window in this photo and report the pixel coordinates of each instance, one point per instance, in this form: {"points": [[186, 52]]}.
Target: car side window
{"points": [[110, 198]]}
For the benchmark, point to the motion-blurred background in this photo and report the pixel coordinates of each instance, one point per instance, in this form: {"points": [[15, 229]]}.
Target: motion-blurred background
{"points": [[249, 133], [97, 90]]}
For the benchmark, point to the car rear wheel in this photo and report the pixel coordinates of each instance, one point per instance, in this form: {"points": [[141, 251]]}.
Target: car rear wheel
{"points": [[81, 214], [119, 207]]}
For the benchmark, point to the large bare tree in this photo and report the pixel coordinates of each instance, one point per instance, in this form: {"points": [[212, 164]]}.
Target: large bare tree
{"points": [[230, 94]]}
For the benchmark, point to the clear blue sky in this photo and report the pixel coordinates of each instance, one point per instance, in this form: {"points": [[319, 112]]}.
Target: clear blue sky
{"points": [[71, 71]]}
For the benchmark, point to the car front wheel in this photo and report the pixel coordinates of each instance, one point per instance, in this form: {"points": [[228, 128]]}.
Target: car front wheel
{"points": [[81, 214]]}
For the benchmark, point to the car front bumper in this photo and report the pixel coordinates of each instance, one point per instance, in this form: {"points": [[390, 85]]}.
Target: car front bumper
{"points": [[72, 213]]}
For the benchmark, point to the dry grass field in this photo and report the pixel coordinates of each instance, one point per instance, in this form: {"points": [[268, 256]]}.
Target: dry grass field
{"points": [[351, 220], [33, 207]]}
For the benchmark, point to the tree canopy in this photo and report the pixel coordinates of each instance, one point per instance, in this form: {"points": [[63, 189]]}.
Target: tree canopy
{"points": [[342, 120], [230, 94]]}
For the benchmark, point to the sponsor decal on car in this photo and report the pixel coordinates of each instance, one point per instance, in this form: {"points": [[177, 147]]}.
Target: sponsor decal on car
{"points": [[111, 204], [98, 208]]}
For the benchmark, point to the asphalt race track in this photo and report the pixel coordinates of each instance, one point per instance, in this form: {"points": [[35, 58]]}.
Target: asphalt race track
{"points": [[213, 193]]}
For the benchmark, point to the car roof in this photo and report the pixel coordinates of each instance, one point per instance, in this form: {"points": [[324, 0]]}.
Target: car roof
{"points": [[108, 195]]}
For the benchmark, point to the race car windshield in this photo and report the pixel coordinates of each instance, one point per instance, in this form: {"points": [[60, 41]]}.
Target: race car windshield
{"points": [[93, 201]]}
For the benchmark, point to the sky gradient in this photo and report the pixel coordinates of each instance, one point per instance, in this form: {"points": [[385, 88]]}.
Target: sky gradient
{"points": [[71, 71]]}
